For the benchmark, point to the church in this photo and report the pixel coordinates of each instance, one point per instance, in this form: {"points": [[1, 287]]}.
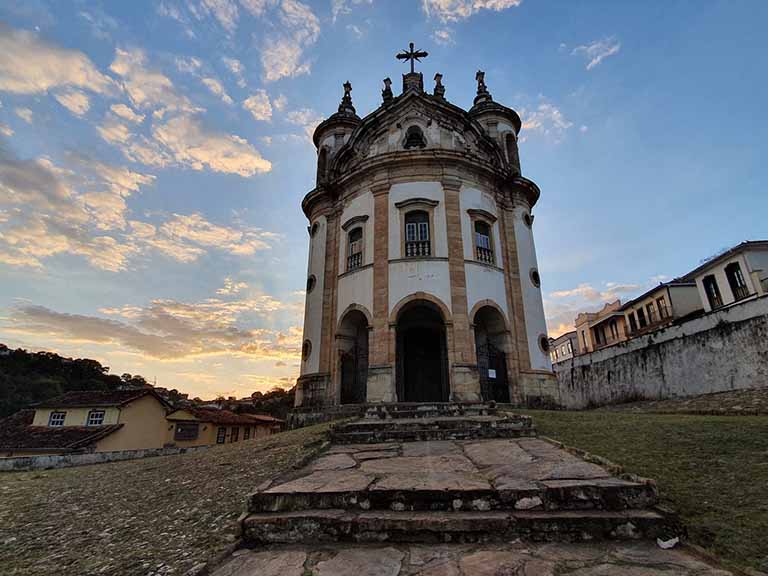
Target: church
{"points": [[422, 283]]}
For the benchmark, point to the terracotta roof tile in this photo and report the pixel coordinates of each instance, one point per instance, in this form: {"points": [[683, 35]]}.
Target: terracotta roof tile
{"points": [[18, 434]]}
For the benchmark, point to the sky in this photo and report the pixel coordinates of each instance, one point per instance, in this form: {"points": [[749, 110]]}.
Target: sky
{"points": [[153, 158]]}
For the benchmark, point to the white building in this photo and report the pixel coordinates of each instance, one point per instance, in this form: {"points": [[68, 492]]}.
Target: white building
{"points": [[737, 274], [422, 279]]}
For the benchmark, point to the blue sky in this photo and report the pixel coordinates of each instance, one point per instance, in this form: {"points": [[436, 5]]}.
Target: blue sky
{"points": [[153, 157]]}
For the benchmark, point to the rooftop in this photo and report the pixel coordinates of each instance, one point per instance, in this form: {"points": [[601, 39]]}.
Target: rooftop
{"points": [[18, 434], [100, 398]]}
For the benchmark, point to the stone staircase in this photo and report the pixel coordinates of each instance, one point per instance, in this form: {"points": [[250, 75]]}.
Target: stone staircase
{"points": [[410, 422], [449, 473]]}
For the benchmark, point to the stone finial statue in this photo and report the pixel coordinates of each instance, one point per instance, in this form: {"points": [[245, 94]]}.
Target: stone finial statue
{"points": [[386, 93], [346, 106], [481, 87], [439, 88]]}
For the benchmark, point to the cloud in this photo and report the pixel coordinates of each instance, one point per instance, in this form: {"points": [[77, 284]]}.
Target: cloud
{"points": [[127, 113], [257, 7], [444, 37], [189, 144], [562, 306], [74, 100], [307, 118], [148, 89], [598, 50], [30, 66], [225, 11], [456, 10], [25, 114], [173, 330], [236, 68], [217, 89], [231, 287], [100, 22], [280, 102], [340, 7], [189, 65], [258, 105], [171, 11], [6, 130], [546, 119], [282, 55]]}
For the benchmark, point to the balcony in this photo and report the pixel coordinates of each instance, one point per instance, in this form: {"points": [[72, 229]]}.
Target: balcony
{"points": [[484, 255], [415, 249]]}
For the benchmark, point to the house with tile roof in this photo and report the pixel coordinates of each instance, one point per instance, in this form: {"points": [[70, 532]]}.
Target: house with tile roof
{"points": [[87, 421], [193, 426]]}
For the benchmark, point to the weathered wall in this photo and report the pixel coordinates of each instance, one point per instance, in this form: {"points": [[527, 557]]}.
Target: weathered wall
{"points": [[721, 351], [16, 464]]}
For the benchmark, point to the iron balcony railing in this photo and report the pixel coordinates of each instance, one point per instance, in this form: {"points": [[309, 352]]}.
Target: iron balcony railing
{"points": [[354, 261], [484, 255], [418, 248]]}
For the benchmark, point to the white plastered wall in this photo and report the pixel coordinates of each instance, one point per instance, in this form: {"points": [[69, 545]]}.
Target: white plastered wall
{"points": [[313, 307], [722, 281], [409, 276], [533, 307], [355, 288]]}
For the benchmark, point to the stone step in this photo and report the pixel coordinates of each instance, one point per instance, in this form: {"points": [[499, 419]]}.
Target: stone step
{"points": [[439, 422], [315, 526], [428, 410], [341, 436], [454, 492]]}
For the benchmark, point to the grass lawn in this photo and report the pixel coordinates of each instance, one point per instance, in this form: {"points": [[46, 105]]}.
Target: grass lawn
{"points": [[713, 470]]}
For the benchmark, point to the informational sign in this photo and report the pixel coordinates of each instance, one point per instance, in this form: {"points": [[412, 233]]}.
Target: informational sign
{"points": [[491, 373]]}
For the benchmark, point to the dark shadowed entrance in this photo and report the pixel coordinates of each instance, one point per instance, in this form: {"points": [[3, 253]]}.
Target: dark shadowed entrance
{"points": [[353, 349], [422, 355], [490, 344]]}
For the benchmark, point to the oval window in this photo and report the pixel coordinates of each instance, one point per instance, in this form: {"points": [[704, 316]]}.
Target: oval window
{"points": [[306, 350], [528, 219], [535, 278], [311, 281], [544, 344]]}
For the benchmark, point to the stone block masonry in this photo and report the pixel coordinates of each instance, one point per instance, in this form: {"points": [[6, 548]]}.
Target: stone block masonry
{"points": [[723, 350]]}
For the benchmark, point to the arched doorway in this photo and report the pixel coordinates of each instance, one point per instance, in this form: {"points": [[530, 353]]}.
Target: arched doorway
{"points": [[422, 354], [491, 345], [352, 340]]}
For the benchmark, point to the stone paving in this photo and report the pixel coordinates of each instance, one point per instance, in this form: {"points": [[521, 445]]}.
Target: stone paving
{"points": [[514, 559]]}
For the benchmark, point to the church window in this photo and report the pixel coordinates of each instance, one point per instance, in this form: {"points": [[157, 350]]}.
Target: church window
{"points": [[544, 344], [511, 147], [306, 350], [313, 229], [528, 219], [535, 278], [417, 241], [311, 281], [322, 165], [414, 138], [483, 245], [712, 291], [355, 248]]}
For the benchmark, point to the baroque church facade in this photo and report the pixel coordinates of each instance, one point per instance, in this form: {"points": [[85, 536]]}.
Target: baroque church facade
{"points": [[422, 278]]}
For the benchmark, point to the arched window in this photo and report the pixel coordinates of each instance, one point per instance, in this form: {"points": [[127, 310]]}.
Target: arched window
{"points": [[322, 165], [511, 147], [355, 248], [483, 244], [414, 138], [417, 241]]}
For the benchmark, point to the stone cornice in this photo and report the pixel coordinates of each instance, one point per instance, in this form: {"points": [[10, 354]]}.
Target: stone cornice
{"points": [[354, 220], [484, 214], [416, 202]]}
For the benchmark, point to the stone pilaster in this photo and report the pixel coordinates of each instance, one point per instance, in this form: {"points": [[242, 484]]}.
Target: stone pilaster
{"points": [[465, 381], [328, 329], [381, 381]]}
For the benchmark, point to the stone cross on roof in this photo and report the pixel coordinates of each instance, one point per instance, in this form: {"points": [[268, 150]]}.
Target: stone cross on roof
{"points": [[412, 55]]}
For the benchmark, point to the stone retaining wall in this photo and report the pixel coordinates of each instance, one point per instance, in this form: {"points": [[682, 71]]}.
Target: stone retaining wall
{"points": [[24, 463], [724, 350]]}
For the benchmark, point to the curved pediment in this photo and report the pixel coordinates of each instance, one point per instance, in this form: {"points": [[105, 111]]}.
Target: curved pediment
{"points": [[442, 125]]}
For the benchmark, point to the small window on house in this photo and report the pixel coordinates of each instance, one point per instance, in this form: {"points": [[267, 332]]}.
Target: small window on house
{"points": [[712, 291], [187, 431], [95, 418], [247, 433], [736, 281], [614, 330], [632, 322], [56, 419], [417, 241], [570, 347], [661, 304], [355, 248], [414, 138], [584, 340], [599, 336], [234, 434], [641, 317], [221, 435], [483, 244], [651, 312]]}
